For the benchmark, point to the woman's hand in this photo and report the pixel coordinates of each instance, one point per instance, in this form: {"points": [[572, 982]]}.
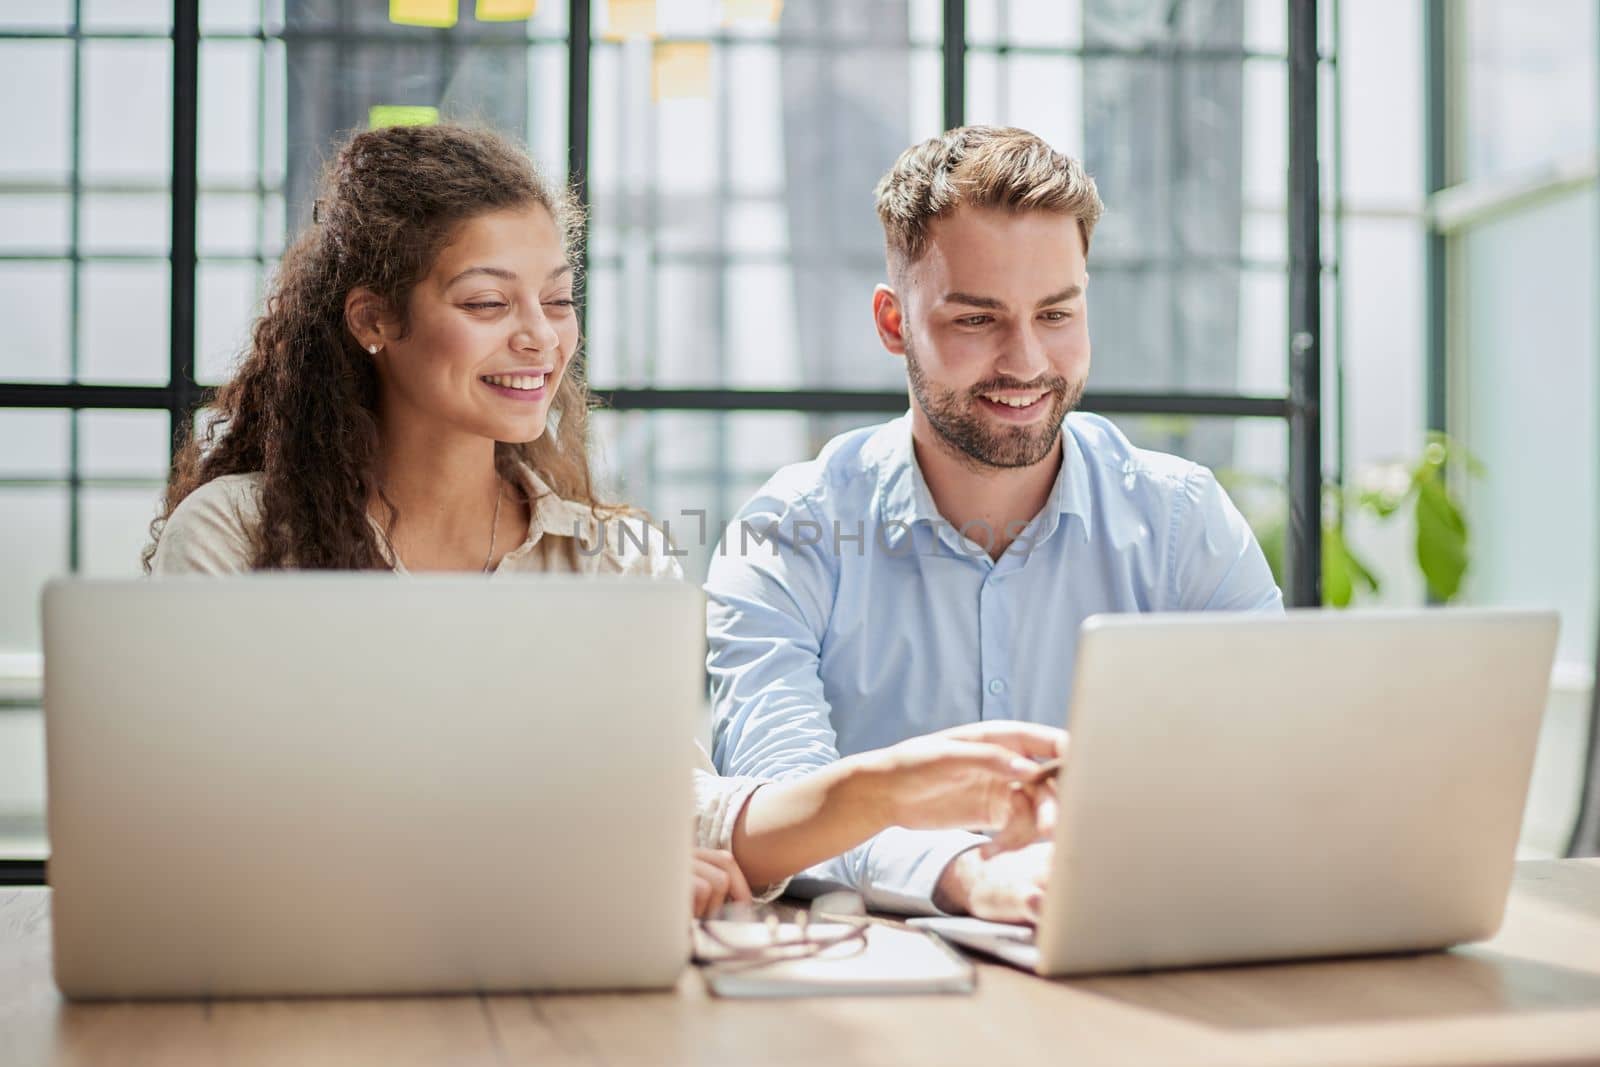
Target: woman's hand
{"points": [[977, 776], [717, 879]]}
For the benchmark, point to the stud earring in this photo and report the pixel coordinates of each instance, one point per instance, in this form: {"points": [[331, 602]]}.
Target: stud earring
{"points": [[373, 349]]}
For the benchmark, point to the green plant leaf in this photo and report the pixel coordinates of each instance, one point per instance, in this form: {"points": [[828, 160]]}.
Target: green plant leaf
{"points": [[1441, 539], [1360, 571], [1336, 586], [1342, 569]]}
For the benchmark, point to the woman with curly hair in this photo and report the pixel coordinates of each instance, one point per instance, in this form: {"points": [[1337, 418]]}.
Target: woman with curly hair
{"points": [[409, 402]]}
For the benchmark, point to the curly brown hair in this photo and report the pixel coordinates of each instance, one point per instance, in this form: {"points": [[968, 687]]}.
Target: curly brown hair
{"points": [[302, 408]]}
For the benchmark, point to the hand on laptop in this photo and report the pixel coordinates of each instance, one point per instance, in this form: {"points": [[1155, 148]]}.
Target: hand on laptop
{"points": [[1008, 887], [717, 879]]}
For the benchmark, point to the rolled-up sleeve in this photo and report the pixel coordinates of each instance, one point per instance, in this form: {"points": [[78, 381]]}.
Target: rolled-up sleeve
{"points": [[718, 803]]}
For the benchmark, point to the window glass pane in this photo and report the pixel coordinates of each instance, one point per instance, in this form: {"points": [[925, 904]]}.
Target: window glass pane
{"points": [[777, 162], [927, 22], [226, 305], [36, 223], [687, 340], [604, 339], [760, 328], [756, 226], [1384, 338], [927, 93], [547, 104], [275, 116], [1264, 120], [114, 529], [34, 443], [1381, 104], [1043, 23], [124, 460], [226, 223], [1531, 383], [37, 15], [34, 298], [1519, 60], [274, 226], [230, 16], [126, 223], [127, 111], [1218, 24], [36, 551], [123, 322], [123, 444], [1263, 332], [1266, 24], [153, 15], [1040, 93], [229, 121], [755, 152], [38, 144]]}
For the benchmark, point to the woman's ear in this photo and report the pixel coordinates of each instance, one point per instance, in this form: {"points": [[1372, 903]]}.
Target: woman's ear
{"points": [[364, 318]]}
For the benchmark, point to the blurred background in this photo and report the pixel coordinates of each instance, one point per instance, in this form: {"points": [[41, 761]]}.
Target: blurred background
{"points": [[1348, 260]]}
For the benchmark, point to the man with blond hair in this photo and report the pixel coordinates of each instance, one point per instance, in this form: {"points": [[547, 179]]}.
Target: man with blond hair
{"points": [[934, 570]]}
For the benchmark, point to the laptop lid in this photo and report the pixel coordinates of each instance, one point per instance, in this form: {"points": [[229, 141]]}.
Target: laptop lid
{"points": [[315, 784], [1261, 787]]}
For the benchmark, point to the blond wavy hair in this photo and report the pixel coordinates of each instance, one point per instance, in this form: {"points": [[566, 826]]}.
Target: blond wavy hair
{"points": [[981, 166]]}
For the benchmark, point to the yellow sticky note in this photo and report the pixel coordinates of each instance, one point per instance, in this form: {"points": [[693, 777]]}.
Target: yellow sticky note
{"points": [[681, 69], [505, 10], [751, 11], [630, 18], [440, 14], [380, 115]]}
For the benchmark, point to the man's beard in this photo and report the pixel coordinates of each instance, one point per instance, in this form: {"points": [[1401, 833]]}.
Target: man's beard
{"points": [[954, 417]]}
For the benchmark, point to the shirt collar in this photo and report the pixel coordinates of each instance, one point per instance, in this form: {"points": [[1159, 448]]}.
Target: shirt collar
{"points": [[553, 516], [904, 499]]}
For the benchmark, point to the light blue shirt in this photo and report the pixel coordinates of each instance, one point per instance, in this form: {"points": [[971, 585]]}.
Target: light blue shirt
{"points": [[845, 613]]}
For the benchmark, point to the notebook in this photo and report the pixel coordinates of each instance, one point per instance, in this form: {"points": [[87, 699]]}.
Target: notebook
{"points": [[893, 961]]}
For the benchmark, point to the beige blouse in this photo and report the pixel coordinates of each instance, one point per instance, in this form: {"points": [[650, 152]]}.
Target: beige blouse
{"points": [[210, 533]]}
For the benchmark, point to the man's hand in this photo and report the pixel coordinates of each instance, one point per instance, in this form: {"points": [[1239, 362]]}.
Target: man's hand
{"points": [[717, 879], [978, 776], [1008, 887]]}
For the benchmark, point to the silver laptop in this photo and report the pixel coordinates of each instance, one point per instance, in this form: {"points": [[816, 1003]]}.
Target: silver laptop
{"points": [[1245, 788], [305, 784]]}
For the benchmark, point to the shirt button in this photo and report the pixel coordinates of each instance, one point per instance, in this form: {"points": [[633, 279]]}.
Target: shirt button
{"points": [[996, 686]]}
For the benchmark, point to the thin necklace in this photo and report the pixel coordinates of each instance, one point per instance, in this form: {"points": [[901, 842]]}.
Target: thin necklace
{"points": [[494, 523]]}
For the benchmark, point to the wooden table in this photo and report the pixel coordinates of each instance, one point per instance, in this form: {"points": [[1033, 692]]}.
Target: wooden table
{"points": [[1532, 995]]}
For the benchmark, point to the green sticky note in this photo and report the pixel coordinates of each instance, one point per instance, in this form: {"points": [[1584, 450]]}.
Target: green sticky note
{"points": [[380, 115], [440, 14]]}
